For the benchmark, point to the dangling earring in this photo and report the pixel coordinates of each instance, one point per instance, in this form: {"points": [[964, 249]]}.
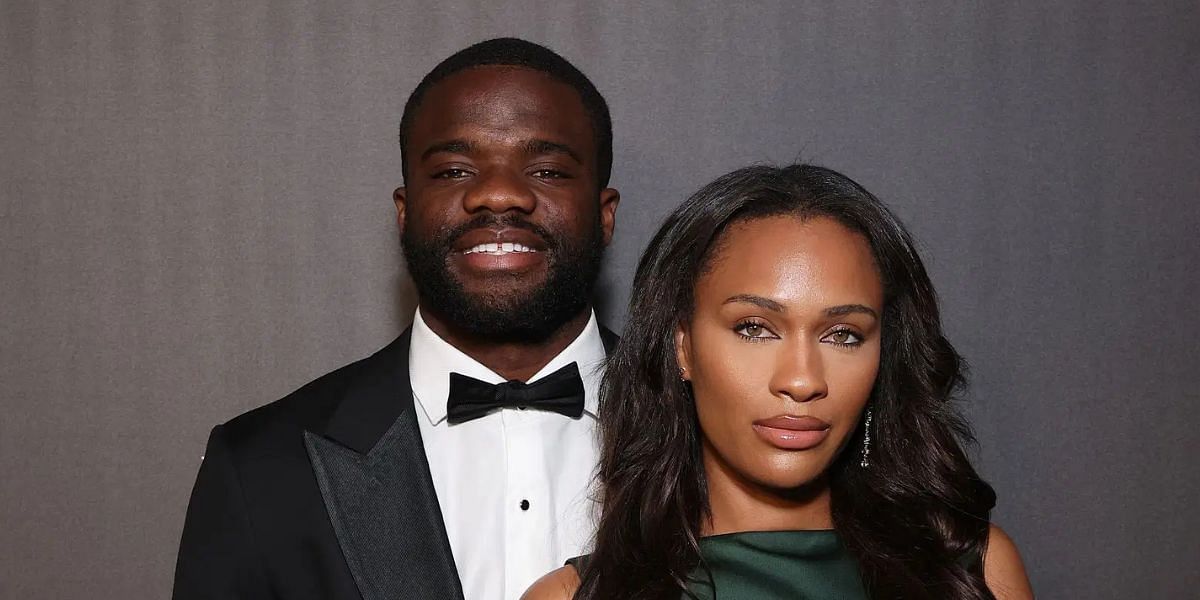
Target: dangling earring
{"points": [[866, 453]]}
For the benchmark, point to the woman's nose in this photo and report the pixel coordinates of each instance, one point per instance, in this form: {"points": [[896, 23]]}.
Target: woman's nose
{"points": [[799, 373]]}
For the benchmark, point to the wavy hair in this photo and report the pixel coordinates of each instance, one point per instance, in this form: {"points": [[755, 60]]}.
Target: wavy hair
{"points": [[916, 519]]}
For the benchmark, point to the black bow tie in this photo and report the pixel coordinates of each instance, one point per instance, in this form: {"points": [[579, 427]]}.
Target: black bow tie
{"points": [[560, 392]]}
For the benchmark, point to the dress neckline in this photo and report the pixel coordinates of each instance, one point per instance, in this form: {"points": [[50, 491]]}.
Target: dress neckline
{"points": [[797, 543], [768, 533]]}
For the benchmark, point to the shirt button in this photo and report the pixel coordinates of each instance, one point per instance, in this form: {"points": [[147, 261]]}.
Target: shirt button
{"points": [[524, 505]]}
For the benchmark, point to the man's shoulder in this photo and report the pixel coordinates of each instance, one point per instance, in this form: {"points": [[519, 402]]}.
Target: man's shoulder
{"points": [[311, 406]]}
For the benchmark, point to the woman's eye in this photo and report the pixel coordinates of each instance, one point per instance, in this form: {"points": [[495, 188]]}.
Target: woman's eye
{"points": [[754, 331], [844, 337]]}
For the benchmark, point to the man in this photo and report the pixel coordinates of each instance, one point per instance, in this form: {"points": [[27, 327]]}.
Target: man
{"points": [[409, 474]]}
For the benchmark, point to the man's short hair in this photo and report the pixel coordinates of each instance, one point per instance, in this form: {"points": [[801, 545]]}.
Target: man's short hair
{"points": [[519, 53]]}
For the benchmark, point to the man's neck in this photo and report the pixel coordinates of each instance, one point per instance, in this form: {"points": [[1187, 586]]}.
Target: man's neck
{"points": [[518, 361]]}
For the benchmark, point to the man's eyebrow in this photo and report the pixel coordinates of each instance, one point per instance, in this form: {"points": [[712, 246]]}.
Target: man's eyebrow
{"points": [[846, 309], [452, 146], [539, 146], [759, 301]]}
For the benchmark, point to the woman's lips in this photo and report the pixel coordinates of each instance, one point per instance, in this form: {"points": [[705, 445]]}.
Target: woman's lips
{"points": [[791, 432]]}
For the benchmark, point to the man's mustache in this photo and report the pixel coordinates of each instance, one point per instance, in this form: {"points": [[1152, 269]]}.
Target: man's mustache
{"points": [[448, 237]]}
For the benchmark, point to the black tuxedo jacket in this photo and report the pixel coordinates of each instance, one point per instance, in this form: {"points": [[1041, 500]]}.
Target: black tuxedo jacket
{"points": [[325, 494]]}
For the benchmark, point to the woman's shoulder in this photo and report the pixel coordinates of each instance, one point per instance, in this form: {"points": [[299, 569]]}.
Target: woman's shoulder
{"points": [[1003, 570], [559, 584]]}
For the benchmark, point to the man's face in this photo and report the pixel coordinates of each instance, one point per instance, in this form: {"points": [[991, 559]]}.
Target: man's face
{"points": [[501, 219]]}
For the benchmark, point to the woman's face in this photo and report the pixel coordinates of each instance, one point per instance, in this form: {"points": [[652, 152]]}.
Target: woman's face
{"points": [[783, 347]]}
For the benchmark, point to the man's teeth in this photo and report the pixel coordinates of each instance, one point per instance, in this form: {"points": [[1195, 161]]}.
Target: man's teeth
{"points": [[499, 248]]}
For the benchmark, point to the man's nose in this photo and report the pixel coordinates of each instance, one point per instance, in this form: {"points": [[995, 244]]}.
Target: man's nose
{"points": [[499, 191], [800, 373]]}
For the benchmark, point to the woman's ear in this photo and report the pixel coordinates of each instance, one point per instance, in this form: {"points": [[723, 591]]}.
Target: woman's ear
{"points": [[683, 351]]}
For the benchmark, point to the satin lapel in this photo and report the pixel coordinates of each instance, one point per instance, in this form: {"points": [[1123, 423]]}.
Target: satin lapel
{"points": [[377, 488]]}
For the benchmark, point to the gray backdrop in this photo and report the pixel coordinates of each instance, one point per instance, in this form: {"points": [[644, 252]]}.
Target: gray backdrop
{"points": [[196, 220]]}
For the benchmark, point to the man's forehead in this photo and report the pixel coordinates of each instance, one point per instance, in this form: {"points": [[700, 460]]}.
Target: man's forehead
{"points": [[500, 94], [529, 146], [498, 104]]}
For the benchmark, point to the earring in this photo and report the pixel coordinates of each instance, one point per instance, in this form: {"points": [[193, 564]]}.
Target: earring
{"points": [[682, 374], [866, 452]]}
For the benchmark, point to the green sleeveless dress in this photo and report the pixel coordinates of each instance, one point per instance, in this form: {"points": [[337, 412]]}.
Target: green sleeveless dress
{"points": [[765, 565]]}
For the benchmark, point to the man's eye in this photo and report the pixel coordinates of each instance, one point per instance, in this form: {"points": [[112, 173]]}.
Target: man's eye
{"points": [[450, 174], [550, 174]]}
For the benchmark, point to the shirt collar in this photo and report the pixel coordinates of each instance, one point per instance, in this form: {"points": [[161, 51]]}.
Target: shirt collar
{"points": [[431, 359]]}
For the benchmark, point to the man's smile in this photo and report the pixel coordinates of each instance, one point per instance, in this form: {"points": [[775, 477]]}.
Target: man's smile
{"points": [[499, 249]]}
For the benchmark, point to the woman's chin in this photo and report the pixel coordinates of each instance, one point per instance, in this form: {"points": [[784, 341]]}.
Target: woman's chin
{"points": [[794, 486]]}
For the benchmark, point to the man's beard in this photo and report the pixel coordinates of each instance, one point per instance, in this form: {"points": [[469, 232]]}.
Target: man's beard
{"points": [[513, 315]]}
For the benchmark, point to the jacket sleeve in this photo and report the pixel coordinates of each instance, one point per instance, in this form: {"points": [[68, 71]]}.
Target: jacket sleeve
{"points": [[218, 557]]}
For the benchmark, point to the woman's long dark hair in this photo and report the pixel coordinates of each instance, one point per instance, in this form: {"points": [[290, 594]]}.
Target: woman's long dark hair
{"points": [[916, 519]]}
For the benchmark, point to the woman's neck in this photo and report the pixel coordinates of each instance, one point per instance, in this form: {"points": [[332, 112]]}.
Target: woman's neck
{"points": [[741, 505]]}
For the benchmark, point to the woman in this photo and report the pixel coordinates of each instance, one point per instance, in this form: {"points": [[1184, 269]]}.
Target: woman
{"points": [[777, 420]]}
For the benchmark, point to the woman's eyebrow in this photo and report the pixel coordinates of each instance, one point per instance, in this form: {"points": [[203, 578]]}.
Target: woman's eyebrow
{"points": [[846, 309], [772, 305], [759, 301]]}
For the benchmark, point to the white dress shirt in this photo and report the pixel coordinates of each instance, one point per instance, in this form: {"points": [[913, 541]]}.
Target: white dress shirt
{"points": [[514, 486]]}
